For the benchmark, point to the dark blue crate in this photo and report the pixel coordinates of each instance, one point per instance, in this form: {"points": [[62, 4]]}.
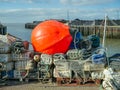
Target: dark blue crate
{"points": [[10, 73]]}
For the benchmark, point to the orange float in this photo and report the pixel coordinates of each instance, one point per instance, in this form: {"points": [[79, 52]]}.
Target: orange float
{"points": [[51, 37]]}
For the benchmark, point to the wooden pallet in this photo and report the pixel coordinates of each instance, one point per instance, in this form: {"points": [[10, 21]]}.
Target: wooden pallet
{"points": [[77, 82]]}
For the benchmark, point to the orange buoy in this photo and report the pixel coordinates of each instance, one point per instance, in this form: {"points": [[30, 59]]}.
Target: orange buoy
{"points": [[51, 37]]}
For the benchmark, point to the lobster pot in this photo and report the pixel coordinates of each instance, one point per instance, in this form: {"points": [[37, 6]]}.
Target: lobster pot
{"points": [[8, 66], [62, 74], [43, 67], [21, 64], [62, 65], [62, 69], [5, 58], [59, 56], [74, 54], [76, 65], [22, 56], [115, 65], [43, 71], [46, 59], [88, 66]]}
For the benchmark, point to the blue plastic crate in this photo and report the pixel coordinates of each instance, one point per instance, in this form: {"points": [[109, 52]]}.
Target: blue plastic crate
{"points": [[10, 73]]}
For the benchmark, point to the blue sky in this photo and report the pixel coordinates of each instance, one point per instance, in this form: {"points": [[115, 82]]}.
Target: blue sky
{"points": [[17, 11]]}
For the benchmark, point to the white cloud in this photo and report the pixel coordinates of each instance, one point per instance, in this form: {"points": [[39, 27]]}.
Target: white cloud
{"points": [[84, 2], [62, 2], [32, 14], [25, 1], [8, 1]]}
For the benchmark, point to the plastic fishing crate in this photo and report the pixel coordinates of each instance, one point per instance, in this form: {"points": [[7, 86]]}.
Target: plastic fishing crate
{"points": [[62, 69], [62, 65], [76, 65], [62, 73], [88, 66], [22, 56], [5, 58], [5, 49], [43, 67], [4, 44], [9, 74], [59, 56], [43, 71], [8, 66], [21, 64], [19, 74], [3, 39]]}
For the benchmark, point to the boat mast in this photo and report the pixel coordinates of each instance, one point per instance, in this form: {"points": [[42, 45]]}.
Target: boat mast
{"points": [[68, 15], [104, 35], [104, 32]]}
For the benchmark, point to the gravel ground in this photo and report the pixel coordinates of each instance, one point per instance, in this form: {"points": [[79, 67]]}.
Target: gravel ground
{"points": [[49, 86]]}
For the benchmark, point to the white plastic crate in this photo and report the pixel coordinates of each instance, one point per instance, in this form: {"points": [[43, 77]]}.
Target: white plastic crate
{"points": [[23, 56], [17, 74], [63, 74], [62, 65], [76, 65], [93, 67], [21, 64], [3, 39], [4, 44], [8, 66], [59, 56], [4, 49], [5, 58]]}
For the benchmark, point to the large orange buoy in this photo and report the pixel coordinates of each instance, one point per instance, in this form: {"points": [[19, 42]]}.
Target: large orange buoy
{"points": [[51, 37]]}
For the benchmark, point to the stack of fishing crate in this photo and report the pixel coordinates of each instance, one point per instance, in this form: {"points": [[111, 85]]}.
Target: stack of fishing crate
{"points": [[13, 64], [43, 67], [62, 71], [5, 57], [20, 62], [75, 58]]}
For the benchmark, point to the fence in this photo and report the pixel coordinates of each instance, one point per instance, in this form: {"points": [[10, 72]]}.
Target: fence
{"points": [[111, 31]]}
